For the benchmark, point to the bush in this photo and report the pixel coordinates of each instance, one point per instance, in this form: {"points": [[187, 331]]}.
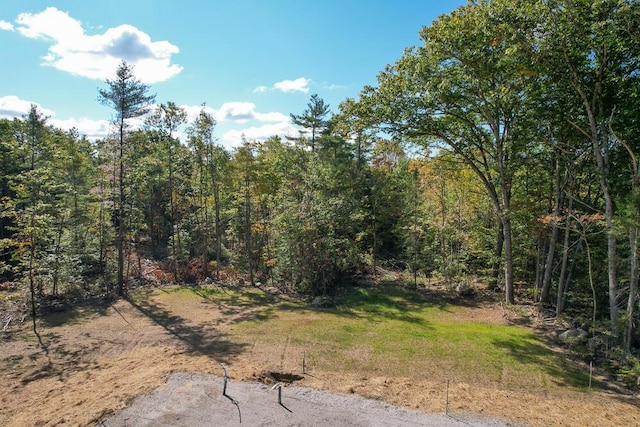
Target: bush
{"points": [[629, 374]]}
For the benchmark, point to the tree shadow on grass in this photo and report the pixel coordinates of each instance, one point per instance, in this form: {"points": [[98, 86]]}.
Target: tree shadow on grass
{"points": [[239, 306], [52, 355], [201, 339], [74, 314], [531, 351], [388, 301], [628, 398], [247, 297]]}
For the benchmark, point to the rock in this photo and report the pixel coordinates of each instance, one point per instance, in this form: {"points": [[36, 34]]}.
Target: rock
{"points": [[322, 302], [464, 290], [573, 335]]}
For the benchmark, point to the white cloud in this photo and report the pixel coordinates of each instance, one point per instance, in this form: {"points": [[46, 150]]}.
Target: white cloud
{"points": [[298, 85], [237, 111], [233, 113], [242, 112], [194, 110], [13, 107], [98, 56], [92, 129], [233, 138], [236, 114], [7, 26], [332, 86]]}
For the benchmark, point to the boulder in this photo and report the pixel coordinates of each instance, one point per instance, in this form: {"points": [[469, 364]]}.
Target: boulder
{"points": [[322, 302], [573, 335], [465, 290]]}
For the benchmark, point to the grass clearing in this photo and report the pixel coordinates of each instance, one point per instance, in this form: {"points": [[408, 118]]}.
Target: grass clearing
{"points": [[386, 331]]}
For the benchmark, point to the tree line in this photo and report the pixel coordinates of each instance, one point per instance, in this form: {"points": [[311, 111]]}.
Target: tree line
{"points": [[505, 147]]}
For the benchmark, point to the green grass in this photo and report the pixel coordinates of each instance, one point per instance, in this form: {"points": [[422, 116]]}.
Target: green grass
{"points": [[391, 331]]}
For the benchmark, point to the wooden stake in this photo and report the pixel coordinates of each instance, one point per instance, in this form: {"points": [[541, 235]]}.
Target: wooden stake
{"points": [[446, 409], [224, 388]]}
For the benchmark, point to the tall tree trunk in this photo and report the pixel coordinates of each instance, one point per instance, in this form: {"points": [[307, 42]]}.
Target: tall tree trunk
{"points": [[541, 245], [247, 217], [545, 295], [206, 221], [553, 241], [216, 201], [508, 262], [32, 287], [121, 220], [56, 262], [175, 234], [599, 140], [101, 225], [497, 256], [374, 238], [563, 277], [634, 237], [633, 284], [611, 261], [508, 241]]}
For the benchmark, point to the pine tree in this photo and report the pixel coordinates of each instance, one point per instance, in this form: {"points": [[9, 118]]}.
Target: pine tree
{"points": [[129, 98]]}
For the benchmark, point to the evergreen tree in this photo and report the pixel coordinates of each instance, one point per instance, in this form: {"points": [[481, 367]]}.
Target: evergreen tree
{"points": [[313, 119], [129, 98]]}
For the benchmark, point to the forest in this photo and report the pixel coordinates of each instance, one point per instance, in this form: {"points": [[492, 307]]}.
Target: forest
{"points": [[504, 149]]}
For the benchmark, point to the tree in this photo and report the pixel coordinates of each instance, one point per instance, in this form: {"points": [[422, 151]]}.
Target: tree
{"points": [[11, 166], [459, 215], [313, 118], [74, 247], [591, 47], [212, 163], [164, 121], [467, 88], [351, 124], [35, 206], [129, 98], [245, 173]]}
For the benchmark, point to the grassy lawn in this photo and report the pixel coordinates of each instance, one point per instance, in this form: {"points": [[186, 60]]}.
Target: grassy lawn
{"points": [[389, 331]]}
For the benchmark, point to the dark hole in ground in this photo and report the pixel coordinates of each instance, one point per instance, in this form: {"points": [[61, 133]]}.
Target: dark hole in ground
{"points": [[271, 377]]}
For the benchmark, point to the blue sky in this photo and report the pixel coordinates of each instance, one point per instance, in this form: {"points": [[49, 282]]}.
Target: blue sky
{"points": [[252, 62]]}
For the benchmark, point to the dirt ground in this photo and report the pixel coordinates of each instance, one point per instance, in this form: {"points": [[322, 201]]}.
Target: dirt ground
{"points": [[93, 362]]}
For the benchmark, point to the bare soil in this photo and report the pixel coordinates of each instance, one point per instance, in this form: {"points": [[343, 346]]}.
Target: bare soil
{"points": [[92, 362]]}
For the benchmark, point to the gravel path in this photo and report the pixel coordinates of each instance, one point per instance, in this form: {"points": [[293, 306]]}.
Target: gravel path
{"points": [[197, 400]]}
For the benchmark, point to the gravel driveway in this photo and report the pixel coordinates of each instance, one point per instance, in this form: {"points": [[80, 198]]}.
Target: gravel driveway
{"points": [[197, 400]]}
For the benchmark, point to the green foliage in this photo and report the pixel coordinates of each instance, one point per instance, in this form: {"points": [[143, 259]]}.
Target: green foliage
{"points": [[629, 374], [316, 249]]}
